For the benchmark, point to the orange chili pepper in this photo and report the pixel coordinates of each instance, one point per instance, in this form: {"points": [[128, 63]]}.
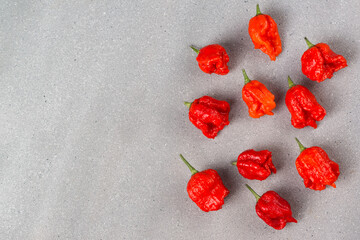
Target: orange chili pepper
{"points": [[264, 34], [257, 97]]}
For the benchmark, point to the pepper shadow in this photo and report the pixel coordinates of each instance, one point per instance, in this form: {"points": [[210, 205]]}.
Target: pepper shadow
{"points": [[233, 48], [336, 155], [235, 43], [230, 177], [279, 98], [234, 104], [281, 19], [272, 84], [277, 155], [297, 197], [346, 47], [321, 97]]}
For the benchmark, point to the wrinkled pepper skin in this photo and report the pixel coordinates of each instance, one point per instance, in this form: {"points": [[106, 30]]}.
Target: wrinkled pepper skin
{"points": [[273, 209], [316, 168], [319, 62], [264, 34], [257, 97], [213, 59], [209, 115], [206, 188], [303, 106], [255, 164]]}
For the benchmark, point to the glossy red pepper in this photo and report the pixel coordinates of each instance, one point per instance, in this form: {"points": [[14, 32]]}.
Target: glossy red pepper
{"points": [[255, 164], [319, 62], [209, 115], [264, 34], [316, 168], [257, 97], [273, 209], [213, 59], [206, 188], [303, 107]]}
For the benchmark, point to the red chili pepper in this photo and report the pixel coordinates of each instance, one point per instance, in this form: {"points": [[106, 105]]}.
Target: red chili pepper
{"points": [[264, 34], [319, 62], [257, 97], [209, 115], [316, 168], [213, 59], [273, 209], [206, 188], [255, 164], [303, 107]]}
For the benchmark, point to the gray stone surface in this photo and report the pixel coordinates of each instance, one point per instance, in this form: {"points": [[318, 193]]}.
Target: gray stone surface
{"points": [[92, 119]]}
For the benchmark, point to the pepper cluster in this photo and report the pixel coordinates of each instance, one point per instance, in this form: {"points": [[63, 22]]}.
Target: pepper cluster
{"points": [[210, 115]]}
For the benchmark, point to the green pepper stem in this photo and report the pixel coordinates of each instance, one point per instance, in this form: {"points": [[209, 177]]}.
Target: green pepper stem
{"points": [[258, 12], [188, 104], [246, 78], [195, 49], [308, 42], [302, 148], [253, 192], [290, 82], [234, 163], [192, 169]]}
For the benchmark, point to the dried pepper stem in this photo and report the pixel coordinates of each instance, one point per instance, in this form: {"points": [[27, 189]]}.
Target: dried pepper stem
{"points": [[253, 192], [290, 82], [195, 49], [302, 148], [192, 169], [258, 12], [246, 78], [308, 42], [188, 104]]}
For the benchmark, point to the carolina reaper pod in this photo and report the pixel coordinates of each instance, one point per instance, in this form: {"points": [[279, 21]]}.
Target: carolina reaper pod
{"points": [[273, 209], [213, 59], [253, 164], [209, 115], [316, 168], [319, 62], [257, 97], [303, 106], [206, 188], [264, 34]]}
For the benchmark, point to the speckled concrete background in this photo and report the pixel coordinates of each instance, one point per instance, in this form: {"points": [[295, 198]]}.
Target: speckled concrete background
{"points": [[92, 119]]}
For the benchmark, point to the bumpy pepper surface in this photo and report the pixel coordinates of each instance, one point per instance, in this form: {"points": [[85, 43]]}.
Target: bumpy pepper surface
{"points": [[209, 115], [206, 188], [319, 62], [316, 168], [264, 34], [257, 97], [213, 59], [273, 209], [303, 107], [255, 164]]}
